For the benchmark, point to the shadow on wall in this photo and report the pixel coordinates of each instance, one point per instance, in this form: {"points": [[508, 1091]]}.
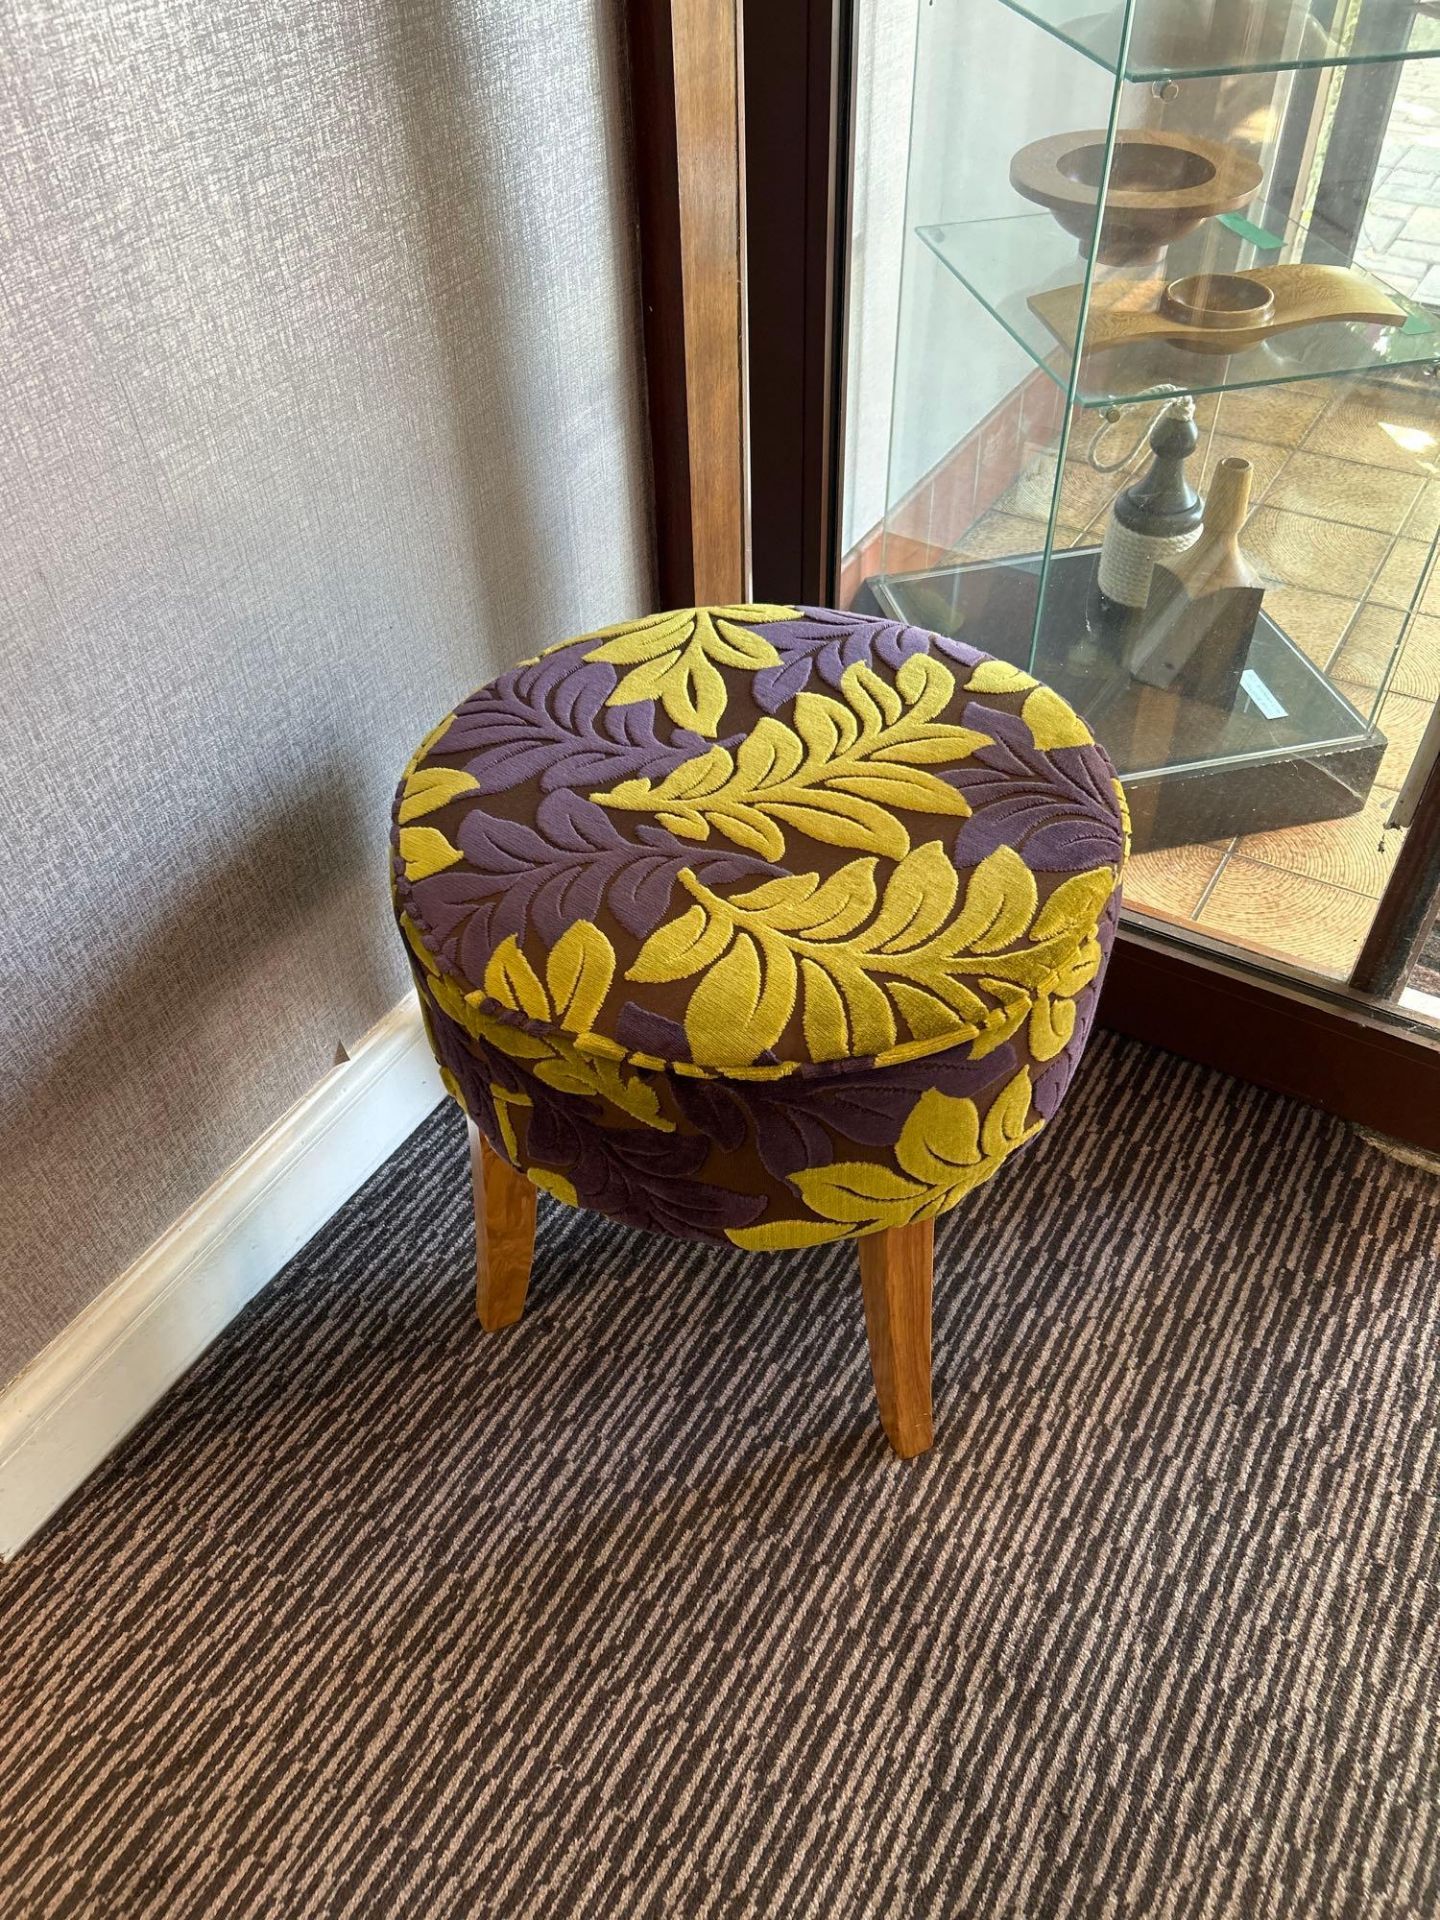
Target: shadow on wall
{"points": [[472, 226], [329, 358], [198, 983]]}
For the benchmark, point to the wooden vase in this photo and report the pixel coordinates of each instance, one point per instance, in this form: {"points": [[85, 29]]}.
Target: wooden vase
{"points": [[1199, 619], [1215, 562]]}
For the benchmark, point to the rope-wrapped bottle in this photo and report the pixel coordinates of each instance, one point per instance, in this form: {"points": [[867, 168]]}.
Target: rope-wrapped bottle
{"points": [[1155, 518]]}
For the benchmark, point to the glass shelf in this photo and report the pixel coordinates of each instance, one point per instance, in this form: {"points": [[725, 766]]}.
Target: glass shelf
{"points": [[1290, 751], [1004, 262], [1179, 39]]}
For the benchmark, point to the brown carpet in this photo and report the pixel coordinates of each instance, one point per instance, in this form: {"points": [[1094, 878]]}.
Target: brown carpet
{"points": [[628, 1612]]}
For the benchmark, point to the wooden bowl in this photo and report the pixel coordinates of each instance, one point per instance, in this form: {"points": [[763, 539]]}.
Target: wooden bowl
{"points": [[1219, 301], [1162, 185]]}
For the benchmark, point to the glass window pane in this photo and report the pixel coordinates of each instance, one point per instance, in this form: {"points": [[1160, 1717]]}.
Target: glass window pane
{"points": [[1017, 326]]}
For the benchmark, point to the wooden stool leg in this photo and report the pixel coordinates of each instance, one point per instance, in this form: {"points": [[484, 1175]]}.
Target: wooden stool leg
{"points": [[895, 1277], [504, 1235]]}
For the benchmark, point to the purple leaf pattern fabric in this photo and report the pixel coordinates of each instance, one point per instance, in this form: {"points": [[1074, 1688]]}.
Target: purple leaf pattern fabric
{"points": [[1057, 808], [825, 643], [804, 1124], [643, 1178], [549, 722], [565, 867]]}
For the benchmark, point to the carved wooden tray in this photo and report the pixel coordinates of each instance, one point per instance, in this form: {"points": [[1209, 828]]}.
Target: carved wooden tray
{"points": [[1231, 312]]}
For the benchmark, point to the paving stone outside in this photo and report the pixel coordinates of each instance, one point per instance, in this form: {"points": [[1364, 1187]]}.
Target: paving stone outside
{"points": [[1400, 238]]}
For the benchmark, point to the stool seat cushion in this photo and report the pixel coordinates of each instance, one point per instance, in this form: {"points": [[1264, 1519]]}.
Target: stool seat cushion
{"points": [[760, 921]]}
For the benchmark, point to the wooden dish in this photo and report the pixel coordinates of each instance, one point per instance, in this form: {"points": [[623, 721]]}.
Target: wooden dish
{"points": [[1218, 301], [1125, 312], [1162, 185]]}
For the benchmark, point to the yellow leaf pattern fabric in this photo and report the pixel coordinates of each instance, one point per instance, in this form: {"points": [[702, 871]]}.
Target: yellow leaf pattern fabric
{"points": [[945, 1150], [425, 850], [430, 788], [1053, 724], [847, 772], [578, 972], [758, 923], [675, 658], [872, 967]]}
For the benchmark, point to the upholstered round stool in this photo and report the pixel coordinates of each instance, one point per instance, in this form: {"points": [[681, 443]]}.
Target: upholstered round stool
{"points": [[765, 925]]}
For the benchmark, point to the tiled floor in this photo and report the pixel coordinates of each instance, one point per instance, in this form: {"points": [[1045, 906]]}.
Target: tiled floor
{"points": [[1346, 499], [1401, 237]]}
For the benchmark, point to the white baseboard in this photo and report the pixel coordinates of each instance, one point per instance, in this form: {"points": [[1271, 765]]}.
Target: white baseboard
{"points": [[81, 1396]]}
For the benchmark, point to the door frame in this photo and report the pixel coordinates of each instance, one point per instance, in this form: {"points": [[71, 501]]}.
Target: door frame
{"points": [[791, 122], [684, 60]]}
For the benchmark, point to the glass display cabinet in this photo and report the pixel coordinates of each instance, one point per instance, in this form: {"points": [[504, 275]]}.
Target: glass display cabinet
{"points": [[1164, 426]]}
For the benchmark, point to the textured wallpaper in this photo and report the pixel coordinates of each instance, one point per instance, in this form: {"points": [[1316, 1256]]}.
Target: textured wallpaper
{"points": [[321, 399]]}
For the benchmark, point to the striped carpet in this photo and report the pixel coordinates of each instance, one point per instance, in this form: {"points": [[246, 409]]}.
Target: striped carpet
{"points": [[628, 1612]]}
